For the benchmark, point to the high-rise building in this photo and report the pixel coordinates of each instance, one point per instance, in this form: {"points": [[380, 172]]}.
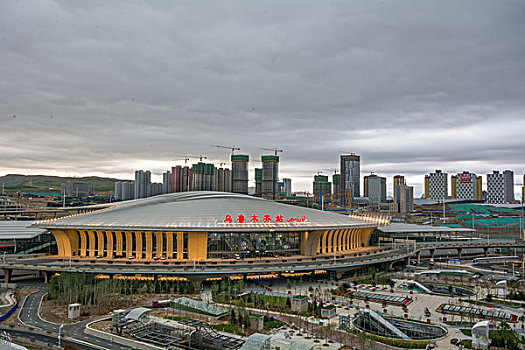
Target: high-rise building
{"points": [[239, 173], [453, 186], [500, 187], [118, 190], [438, 185], [337, 189], [181, 179], [350, 179], [508, 177], [156, 188], [322, 189], [427, 186], [479, 188], [166, 182], [523, 190], [403, 195], [258, 182], [224, 181], [204, 177], [270, 176], [466, 185], [375, 189], [287, 187], [124, 190], [142, 184]]}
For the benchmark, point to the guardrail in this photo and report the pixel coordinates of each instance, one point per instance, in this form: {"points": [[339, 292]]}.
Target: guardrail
{"points": [[8, 313]]}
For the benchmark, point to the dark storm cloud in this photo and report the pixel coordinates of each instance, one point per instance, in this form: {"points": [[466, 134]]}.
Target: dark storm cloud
{"points": [[91, 87]]}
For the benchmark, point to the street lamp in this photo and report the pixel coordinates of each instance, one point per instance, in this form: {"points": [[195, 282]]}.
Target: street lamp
{"points": [[60, 336]]}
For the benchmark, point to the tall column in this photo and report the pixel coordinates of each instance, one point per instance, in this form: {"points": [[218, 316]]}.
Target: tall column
{"points": [[74, 237], [100, 237], [92, 243], [149, 245], [83, 243], [109, 239], [120, 242], [169, 244], [180, 245], [312, 243], [329, 245], [340, 246], [160, 243], [7, 275], [344, 238], [60, 242], [334, 240], [129, 244], [321, 243], [138, 244], [304, 239]]}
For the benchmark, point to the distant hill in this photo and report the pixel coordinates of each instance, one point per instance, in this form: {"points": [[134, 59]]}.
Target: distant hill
{"points": [[45, 183]]}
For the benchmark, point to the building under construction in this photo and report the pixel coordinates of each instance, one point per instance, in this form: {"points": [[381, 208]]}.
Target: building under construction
{"points": [[350, 177], [258, 182], [322, 190], [270, 176], [239, 175]]}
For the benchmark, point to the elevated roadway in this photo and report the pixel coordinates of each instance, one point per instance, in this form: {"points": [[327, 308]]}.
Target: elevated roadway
{"points": [[48, 265]]}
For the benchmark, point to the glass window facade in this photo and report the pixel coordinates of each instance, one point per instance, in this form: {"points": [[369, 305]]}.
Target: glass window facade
{"points": [[253, 244]]}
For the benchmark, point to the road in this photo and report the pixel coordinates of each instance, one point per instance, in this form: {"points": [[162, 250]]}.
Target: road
{"points": [[209, 269], [51, 339], [29, 314]]}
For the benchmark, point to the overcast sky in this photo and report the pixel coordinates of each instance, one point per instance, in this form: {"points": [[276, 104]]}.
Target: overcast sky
{"points": [[107, 87]]}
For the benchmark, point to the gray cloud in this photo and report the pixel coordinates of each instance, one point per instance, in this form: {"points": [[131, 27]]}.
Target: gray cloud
{"points": [[105, 88]]}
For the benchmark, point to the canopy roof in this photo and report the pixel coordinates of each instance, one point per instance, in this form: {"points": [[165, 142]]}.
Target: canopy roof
{"points": [[205, 211], [19, 230]]}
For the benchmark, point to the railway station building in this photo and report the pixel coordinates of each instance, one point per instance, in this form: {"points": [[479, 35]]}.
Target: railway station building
{"points": [[197, 226]]}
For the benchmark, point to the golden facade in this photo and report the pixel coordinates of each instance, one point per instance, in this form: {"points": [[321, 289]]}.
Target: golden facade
{"points": [[191, 246]]}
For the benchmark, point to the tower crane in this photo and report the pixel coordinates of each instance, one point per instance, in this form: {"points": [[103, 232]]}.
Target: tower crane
{"points": [[233, 148], [334, 189], [186, 158], [275, 150]]}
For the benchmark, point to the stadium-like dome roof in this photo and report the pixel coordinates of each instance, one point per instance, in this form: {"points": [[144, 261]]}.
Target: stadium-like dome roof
{"points": [[205, 211]]}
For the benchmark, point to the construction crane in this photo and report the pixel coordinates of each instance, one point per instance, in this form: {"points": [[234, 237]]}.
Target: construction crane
{"points": [[275, 150], [332, 194], [186, 158], [233, 148]]}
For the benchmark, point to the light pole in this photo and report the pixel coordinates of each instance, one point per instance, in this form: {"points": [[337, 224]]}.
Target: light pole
{"points": [[60, 336]]}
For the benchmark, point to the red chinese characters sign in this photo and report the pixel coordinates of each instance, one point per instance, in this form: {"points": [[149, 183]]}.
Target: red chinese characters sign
{"points": [[265, 219]]}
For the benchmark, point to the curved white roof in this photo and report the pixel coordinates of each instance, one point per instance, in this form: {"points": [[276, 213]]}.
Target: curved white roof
{"points": [[205, 211], [137, 313]]}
